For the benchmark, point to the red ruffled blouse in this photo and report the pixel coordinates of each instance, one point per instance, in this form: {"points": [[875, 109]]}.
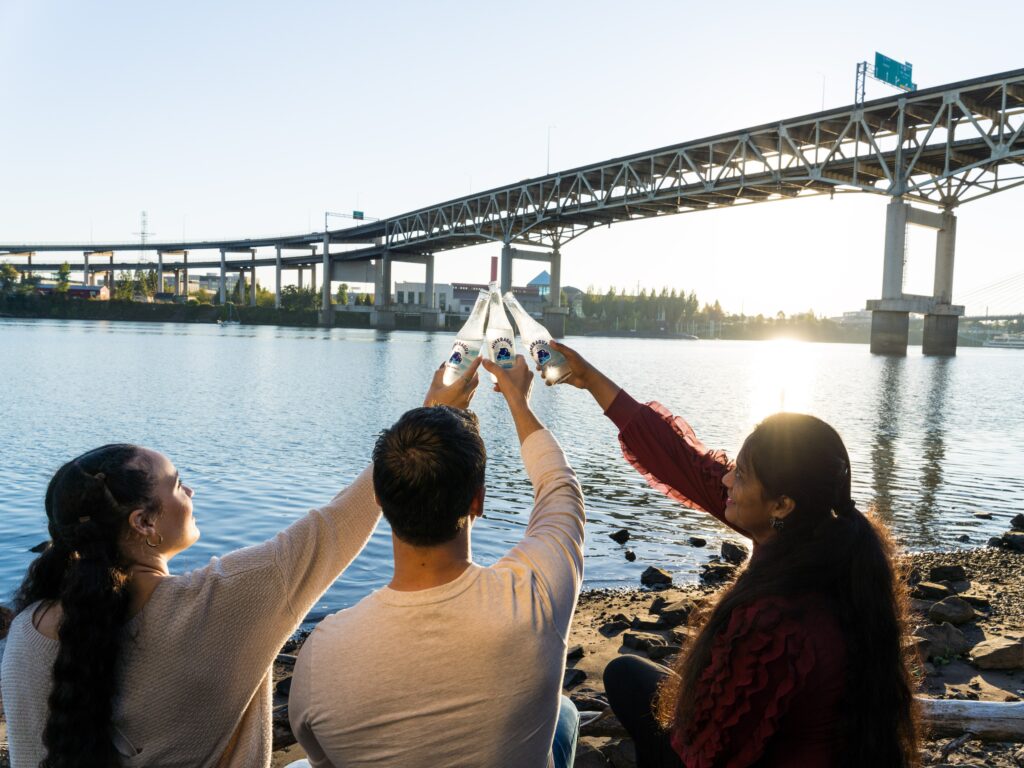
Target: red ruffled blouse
{"points": [[770, 696]]}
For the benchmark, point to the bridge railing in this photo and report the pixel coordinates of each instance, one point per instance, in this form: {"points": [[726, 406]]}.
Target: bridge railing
{"points": [[941, 146]]}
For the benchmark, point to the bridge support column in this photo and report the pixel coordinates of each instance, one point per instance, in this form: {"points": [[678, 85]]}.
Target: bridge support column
{"points": [[554, 313], [299, 278], [326, 309], [383, 316], [890, 314], [110, 276], [890, 328], [312, 278], [277, 278], [252, 282], [85, 268], [184, 273], [160, 271], [505, 283], [431, 318], [889, 332], [223, 277], [940, 328]]}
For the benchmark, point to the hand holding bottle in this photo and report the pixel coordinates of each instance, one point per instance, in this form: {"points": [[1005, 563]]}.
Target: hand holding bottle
{"points": [[585, 376], [456, 394]]}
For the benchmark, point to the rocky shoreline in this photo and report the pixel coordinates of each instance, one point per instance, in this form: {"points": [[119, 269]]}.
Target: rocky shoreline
{"points": [[968, 620], [652, 622]]}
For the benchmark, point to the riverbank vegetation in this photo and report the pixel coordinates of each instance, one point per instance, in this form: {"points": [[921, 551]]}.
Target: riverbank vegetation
{"points": [[667, 312]]}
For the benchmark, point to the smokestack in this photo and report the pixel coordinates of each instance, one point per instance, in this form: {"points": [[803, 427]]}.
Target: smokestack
{"points": [[494, 268]]}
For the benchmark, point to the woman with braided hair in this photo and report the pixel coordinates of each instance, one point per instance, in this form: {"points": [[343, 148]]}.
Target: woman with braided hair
{"points": [[112, 661], [800, 663]]}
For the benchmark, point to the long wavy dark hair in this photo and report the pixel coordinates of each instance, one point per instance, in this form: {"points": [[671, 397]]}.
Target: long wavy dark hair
{"points": [[826, 546], [88, 502]]}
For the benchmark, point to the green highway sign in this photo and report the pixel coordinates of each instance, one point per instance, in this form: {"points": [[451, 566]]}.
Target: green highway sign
{"points": [[357, 214], [893, 72]]}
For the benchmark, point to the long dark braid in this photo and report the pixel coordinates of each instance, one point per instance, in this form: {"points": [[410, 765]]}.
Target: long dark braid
{"points": [[88, 502]]}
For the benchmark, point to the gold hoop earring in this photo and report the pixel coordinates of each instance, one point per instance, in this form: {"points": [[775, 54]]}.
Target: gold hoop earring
{"points": [[160, 540]]}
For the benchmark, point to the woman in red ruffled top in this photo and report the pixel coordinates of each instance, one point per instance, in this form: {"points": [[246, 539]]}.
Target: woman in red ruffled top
{"points": [[800, 663]]}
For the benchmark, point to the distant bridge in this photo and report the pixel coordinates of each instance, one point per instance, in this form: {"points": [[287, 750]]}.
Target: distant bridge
{"points": [[939, 147]]}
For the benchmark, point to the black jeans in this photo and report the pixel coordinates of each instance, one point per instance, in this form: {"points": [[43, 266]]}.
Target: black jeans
{"points": [[631, 683]]}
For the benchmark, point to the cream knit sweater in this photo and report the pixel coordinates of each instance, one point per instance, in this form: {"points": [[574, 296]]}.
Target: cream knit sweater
{"points": [[466, 674], [196, 687]]}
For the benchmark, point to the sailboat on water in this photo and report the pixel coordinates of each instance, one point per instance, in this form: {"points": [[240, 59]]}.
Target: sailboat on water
{"points": [[231, 319]]}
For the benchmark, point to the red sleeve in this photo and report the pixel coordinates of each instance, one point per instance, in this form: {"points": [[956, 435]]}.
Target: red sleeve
{"points": [[758, 666], [664, 449]]}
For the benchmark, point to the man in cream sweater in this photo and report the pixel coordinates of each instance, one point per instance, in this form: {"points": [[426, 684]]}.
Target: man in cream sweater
{"points": [[452, 664]]}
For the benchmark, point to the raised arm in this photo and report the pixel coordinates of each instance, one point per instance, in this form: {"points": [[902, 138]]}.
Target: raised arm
{"points": [[280, 580], [662, 447], [552, 547]]}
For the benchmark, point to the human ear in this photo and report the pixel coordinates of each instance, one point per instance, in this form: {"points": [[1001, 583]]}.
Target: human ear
{"points": [[476, 506], [141, 523], [783, 506]]}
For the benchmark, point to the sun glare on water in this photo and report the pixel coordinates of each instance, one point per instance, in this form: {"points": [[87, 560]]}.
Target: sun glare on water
{"points": [[781, 378]]}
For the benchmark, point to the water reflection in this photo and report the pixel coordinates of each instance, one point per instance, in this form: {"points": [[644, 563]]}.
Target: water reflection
{"points": [[886, 433], [933, 442]]}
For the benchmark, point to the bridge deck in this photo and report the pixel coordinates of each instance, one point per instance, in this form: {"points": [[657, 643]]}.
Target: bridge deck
{"points": [[941, 146]]}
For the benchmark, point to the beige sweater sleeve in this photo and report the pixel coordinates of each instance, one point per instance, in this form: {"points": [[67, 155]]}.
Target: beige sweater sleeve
{"points": [[278, 581], [552, 549]]}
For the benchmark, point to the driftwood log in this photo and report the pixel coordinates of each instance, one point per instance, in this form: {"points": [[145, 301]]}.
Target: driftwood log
{"points": [[986, 720]]}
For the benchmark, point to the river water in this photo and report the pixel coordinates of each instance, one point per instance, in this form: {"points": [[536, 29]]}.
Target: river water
{"points": [[266, 422]]}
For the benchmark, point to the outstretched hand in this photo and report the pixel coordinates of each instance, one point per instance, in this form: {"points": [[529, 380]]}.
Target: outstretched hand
{"points": [[514, 381], [581, 372], [458, 393]]}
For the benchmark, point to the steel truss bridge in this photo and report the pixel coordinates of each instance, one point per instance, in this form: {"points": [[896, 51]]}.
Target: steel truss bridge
{"points": [[940, 146]]}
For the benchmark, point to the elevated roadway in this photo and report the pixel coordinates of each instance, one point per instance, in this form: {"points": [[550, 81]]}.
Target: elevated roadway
{"points": [[929, 151]]}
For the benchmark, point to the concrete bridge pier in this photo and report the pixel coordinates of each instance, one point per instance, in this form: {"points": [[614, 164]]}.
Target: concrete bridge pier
{"points": [[252, 283], [223, 276], [890, 319], [431, 318], [160, 271], [383, 314], [277, 277], [110, 274], [554, 314], [942, 323], [505, 278], [890, 315], [326, 308], [85, 268], [184, 272]]}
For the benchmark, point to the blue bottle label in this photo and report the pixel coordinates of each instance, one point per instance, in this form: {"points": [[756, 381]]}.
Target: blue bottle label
{"points": [[462, 356], [503, 351], [544, 354]]}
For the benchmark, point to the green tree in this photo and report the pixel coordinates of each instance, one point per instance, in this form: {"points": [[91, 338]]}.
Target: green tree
{"points": [[124, 287], [264, 298], [63, 278], [293, 297], [8, 278], [343, 294], [202, 296]]}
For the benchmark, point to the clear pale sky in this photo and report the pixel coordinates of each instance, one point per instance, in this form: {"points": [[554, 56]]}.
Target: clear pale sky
{"points": [[238, 119]]}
